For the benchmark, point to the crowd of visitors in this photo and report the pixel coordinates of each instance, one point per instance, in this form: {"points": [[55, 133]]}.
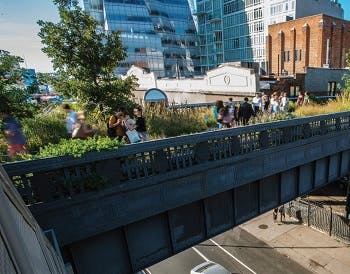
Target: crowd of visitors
{"points": [[231, 115], [120, 125], [133, 129]]}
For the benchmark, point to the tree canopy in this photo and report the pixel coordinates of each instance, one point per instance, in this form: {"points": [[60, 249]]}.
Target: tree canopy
{"points": [[12, 94], [85, 57]]}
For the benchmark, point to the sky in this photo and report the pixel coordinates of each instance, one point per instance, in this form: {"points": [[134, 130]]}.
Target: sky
{"points": [[18, 29]]}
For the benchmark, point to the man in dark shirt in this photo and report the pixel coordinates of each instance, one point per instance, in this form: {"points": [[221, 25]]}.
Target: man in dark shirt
{"points": [[14, 135], [245, 111], [140, 124]]}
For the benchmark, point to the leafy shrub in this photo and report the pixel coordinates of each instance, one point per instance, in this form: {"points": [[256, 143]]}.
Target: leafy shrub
{"points": [[77, 147], [43, 130], [270, 117]]}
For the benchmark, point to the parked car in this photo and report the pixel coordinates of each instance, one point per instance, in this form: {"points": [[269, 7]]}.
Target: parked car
{"points": [[144, 271], [209, 268]]}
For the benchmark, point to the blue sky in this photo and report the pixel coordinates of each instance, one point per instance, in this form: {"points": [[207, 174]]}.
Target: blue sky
{"points": [[18, 28]]}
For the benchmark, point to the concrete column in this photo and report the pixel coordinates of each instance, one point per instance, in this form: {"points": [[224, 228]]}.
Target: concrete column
{"points": [[269, 54], [292, 46], [280, 50], [306, 45], [322, 46], [332, 54], [341, 64]]}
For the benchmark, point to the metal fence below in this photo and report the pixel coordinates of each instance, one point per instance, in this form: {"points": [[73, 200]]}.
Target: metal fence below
{"points": [[320, 218]]}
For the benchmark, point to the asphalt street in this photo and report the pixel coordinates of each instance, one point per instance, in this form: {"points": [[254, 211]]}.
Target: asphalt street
{"points": [[236, 250]]}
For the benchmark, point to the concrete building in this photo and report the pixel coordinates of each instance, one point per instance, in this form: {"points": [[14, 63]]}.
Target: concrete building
{"points": [[227, 80], [159, 36], [235, 30]]}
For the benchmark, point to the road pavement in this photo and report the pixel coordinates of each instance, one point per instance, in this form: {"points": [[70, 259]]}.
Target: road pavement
{"points": [[236, 250]]}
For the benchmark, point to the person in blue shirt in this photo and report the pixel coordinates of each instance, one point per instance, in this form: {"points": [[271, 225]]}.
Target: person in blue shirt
{"points": [[15, 138]]}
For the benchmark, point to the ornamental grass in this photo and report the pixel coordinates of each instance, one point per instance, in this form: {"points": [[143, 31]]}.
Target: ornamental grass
{"points": [[341, 103]]}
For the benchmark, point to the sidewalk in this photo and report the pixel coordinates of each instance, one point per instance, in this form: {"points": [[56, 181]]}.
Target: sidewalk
{"points": [[314, 250]]}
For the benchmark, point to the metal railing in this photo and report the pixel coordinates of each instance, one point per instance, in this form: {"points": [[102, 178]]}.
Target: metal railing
{"points": [[44, 180], [210, 104], [320, 218]]}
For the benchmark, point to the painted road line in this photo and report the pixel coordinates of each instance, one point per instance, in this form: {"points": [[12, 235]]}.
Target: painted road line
{"points": [[200, 254], [228, 253]]}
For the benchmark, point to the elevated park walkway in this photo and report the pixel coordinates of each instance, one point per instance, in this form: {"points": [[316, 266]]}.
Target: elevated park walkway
{"points": [[118, 212]]}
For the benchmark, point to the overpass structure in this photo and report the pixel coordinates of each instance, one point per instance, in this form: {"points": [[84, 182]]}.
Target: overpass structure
{"points": [[118, 212]]}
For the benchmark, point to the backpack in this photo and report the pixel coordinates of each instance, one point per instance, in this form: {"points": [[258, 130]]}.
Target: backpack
{"points": [[111, 131]]}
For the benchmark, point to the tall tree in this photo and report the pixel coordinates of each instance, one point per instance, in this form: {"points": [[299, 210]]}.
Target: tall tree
{"points": [[12, 94], [85, 58]]}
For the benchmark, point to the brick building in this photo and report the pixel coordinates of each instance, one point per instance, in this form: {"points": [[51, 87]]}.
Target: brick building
{"points": [[313, 41]]}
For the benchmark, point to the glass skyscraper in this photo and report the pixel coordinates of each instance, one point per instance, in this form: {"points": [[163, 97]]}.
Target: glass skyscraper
{"points": [[159, 35], [235, 30]]}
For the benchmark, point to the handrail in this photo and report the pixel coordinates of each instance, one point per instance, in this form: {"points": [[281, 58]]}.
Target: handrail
{"points": [[210, 104], [54, 178]]}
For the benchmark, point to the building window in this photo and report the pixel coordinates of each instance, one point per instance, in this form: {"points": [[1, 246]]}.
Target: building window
{"points": [[236, 43], [332, 88], [296, 55], [300, 55], [294, 90], [286, 56]]}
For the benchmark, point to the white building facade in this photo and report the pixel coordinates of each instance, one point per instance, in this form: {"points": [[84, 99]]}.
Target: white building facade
{"points": [[227, 80], [235, 30]]}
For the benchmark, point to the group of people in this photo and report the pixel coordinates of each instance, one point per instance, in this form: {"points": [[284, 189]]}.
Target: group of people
{"points": [[76, 125], [303, 99], [282, 212], [276, 103], [230, 114], [119, 125]]}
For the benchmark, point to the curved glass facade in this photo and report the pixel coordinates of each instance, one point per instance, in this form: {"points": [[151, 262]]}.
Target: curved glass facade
{"points": [[158, 35]]}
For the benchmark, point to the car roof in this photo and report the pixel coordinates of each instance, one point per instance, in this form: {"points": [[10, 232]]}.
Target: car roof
{"points": [[210, 268]]}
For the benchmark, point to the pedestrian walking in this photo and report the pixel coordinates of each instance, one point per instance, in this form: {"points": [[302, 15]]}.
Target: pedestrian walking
{"points": [[282, 212], [245, 111], [219, 105], [257, 103], [274, 214], [300, 99], [275, 103], [306, 100], [284, 102], [14, 136], [71, 119], [82, 130], [265, 101]]}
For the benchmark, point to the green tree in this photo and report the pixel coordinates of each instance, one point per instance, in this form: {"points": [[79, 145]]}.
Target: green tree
{"points": [[85, 58], [12, 95]]}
